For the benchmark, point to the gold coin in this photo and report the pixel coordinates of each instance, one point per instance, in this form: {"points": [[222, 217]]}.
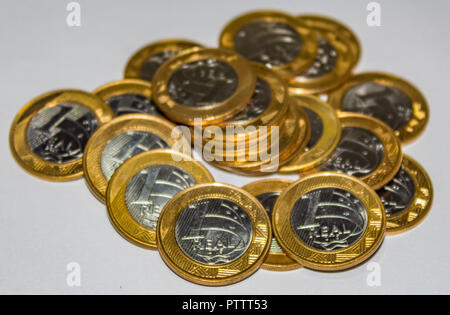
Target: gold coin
{"points": [[368, 149], [141, 187], [211, 84], [214, 234], [329, 221], [129, 96], [407, 198], [278, 40], [119, 140], [325, 134], [145, 62], [267, 192], [48, 135], [337, 55], [391, 99]]}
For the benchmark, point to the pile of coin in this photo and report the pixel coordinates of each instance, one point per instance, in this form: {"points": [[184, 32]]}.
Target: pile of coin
{"points": [[277, 96]]}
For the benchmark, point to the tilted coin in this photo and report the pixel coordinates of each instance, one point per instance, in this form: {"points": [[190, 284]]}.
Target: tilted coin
{"points": [[276, 39], [214, 234], [142, 185], [329, 221], [129, 96], [325, 134], [337, 55], [145, 62], [48, 136], [391, 99], [407, 198], [267, 192], [211, 84], [119, 140]]}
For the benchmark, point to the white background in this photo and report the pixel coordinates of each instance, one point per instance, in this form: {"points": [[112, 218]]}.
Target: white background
{"points": [[44, 226]]}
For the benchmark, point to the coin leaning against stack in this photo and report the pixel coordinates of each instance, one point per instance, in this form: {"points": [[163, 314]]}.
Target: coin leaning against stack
{"points": [[278, 96]]}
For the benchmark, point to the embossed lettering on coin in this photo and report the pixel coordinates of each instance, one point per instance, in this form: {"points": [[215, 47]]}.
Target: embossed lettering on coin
{"points": [[398, 194], [150, 189], [132, 103], [60, 133], [316, 127], [213, 231], [329, 219], [268, 201], [325, 62], [152, 64]]}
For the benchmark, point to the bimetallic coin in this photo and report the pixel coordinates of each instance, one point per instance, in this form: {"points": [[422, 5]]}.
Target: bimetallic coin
{"points": [[142, 186], [275, 39], [337, 55], [211, 84], [391, 99], [129, 96], [145, 62], [407, 198], [267, 192], [119, 140], [325, 134], [49, 135], [329, 221], [213, 234]]}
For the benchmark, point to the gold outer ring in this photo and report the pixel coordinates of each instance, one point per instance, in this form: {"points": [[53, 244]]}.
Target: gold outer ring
{"points": [[276, 261], [420, 115], [94, 149], [18, 142], [309, 43], [327, 143], [212, 275], [338, 259], [118, 212], [419, 207], [347, 47], [134, 65], [214, 113]]}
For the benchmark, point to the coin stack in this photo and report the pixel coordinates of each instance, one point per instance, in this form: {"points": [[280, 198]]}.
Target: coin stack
{"points": [[279, 95]]}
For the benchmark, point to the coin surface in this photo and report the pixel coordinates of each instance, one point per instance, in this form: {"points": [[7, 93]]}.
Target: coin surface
{"points": [[129, 96], [214, 234], [276, 39], [329, 221], [325, 134], [391, 99], [119, 140], [48, 136], [407, 198], [337, 55], [368, 149], [142, 185], [211, 84], [267, 192], [145, 62]]}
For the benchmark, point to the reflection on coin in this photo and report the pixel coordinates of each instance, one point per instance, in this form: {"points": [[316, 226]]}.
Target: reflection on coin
{"points": [[142, 185], [213, 234], [49, 135], [407, 198], [329, 221]]}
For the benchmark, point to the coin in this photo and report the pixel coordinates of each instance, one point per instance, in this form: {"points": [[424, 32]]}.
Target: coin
{"points": [[329, 221], [267, 192], [337, 55], [119, 140], [142, 185], [48, 135], [325, 134], [391, 99], [407, 198], [368, 149], [145, 62], [276, 39], [214, 234], [129, 96], [211, 84]]}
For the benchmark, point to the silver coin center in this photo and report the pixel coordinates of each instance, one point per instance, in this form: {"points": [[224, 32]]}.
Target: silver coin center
{"points": [[131, 104], [153, 63], [398, 194], [268, 201], [325, 61]]}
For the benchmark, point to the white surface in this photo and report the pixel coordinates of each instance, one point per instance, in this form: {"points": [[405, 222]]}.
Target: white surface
{"points": [[44, 226]]}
